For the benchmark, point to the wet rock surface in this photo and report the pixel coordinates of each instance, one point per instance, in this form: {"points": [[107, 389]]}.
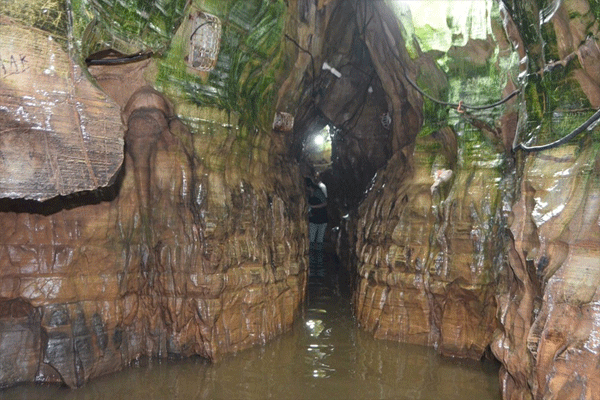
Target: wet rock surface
{"points": [[174, 276], [198, 248], [59, 134], [456, 236], [425, 255], [548, 310], [498, 254], [20, 338]]}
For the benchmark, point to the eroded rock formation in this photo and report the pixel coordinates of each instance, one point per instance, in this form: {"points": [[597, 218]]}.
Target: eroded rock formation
{"points": [[547, 307], [162, 268], [426, 255], [485, 249], [59, 134], [463, 240], [198, 248]]}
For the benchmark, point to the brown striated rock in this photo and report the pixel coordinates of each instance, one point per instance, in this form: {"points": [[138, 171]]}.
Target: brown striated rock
{"points": [[549, 312], [20, 337], [59, 134], [179, 257], [437, 269], [426, 256]]}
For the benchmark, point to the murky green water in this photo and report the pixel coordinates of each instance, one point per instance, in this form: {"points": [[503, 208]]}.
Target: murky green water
{"points": [[325, 357]]}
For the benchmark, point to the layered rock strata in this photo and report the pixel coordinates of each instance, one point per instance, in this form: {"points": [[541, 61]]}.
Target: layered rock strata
{"points": [[175, 259], [424, 250], [59, 134], [504, 252], [548, 309], [426, 253]]}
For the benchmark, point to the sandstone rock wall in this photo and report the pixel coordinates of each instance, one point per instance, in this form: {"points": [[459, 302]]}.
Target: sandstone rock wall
{"points": [[70, 129], [424, 239], [213, 263], [505, 252], [549, 307], [197, 246], [426, 255]]}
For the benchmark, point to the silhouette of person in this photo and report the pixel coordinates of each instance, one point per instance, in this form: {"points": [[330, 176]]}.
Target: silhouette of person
{"points": [[317, 201]]}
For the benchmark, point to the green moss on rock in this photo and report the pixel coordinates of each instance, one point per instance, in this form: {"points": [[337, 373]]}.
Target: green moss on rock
{"points": [[243, 81], [127, 26]]}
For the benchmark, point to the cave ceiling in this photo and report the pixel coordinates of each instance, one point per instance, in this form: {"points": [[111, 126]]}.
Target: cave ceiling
{"points": [[354, 76], [355, 65], [367, 88]]}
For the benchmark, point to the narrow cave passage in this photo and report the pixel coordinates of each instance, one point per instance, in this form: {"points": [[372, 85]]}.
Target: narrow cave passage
{"points": [[325, 356], [181, 233], [152, 201]]}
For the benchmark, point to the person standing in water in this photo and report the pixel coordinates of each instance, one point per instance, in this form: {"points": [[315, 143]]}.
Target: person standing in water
{"points": [[317, 216]]}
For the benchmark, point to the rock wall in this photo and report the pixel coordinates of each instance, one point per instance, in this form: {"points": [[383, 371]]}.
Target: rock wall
{"points": [[424, 239], [548, 306], [211, 262], [198, 247], [72, 131], [548, 302], [427, 254], [504, 251]]}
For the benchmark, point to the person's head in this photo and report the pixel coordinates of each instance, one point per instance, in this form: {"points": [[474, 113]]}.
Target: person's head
{"points": [[310, 185]]}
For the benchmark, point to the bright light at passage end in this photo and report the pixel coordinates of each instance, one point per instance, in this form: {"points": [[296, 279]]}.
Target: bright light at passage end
{"points": [[319, 140]]}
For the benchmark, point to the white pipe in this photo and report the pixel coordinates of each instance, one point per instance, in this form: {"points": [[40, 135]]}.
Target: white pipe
{"points": [[333, 70]]}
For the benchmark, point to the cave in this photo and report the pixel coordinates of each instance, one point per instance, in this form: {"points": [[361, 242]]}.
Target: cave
{"points": [[153, 157]]}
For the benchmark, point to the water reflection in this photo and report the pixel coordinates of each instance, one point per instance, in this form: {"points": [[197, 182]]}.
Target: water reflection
{"points": [[325, 357]]}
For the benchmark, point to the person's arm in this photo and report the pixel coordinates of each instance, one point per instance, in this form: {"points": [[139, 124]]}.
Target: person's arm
{"points": [[320, 205]]}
